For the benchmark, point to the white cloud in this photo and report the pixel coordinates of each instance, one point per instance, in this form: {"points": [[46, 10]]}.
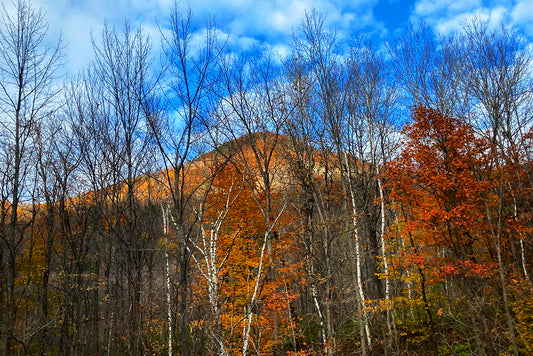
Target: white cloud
{"points": [[464, 5], [76, 32], [246, 22], [277, 19], [282, 50], [523, 12], [76, 21], [264, 22], [522, 15], [497, 16], [437, 8], [448, 16]]}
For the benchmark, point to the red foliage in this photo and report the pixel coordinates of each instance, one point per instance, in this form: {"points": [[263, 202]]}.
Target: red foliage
{"points": [[437, 182]]}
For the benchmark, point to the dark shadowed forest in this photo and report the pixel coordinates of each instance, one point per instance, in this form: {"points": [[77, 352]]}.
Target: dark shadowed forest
{"points": [[349, 198]]}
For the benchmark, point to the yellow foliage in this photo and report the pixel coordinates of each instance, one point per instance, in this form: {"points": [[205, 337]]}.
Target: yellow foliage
{"points": [[523, 310]]}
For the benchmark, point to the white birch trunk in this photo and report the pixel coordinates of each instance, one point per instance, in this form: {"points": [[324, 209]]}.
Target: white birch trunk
{"points": [[384, 253], [253, 300], [320, 316], [212, 264], [359, 286], [168, 285], [521, 240], [358, 271]]}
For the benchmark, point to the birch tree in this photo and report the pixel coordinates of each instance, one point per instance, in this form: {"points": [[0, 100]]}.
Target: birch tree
{"points": [[252, 117], [211, 248], [371, 113], [189, 80]]}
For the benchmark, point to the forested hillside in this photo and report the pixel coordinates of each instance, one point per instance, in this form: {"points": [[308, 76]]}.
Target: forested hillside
{"points": [[349, 198]]}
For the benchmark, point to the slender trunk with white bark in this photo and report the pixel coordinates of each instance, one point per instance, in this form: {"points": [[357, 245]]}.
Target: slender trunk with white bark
{"points": [[168, 284]]}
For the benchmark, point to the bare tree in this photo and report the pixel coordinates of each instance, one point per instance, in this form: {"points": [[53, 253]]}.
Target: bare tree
{"points": [[189, 81], [497, 76], [370, 139], [57, 160], [120, 78], [27, 71], [308, 155], [318, 52], [428, 69]]}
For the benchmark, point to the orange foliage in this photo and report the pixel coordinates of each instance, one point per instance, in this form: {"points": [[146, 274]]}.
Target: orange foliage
{"points": [[438, 183], [241, 240]]}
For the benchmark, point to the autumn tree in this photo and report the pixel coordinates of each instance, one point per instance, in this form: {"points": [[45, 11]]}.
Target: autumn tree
{"points": [[213, 247], [440, 185], [228, 253], [252, 114]]}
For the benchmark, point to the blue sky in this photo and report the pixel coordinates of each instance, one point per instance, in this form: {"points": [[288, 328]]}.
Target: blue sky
{"points": [[270, 23]]}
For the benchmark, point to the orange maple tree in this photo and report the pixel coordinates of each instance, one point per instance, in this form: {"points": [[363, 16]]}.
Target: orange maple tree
{"points": [[439, 186], [436, 184]]}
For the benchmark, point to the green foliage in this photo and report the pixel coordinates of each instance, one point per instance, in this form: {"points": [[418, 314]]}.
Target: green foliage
{"points": [[456, 350]]}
